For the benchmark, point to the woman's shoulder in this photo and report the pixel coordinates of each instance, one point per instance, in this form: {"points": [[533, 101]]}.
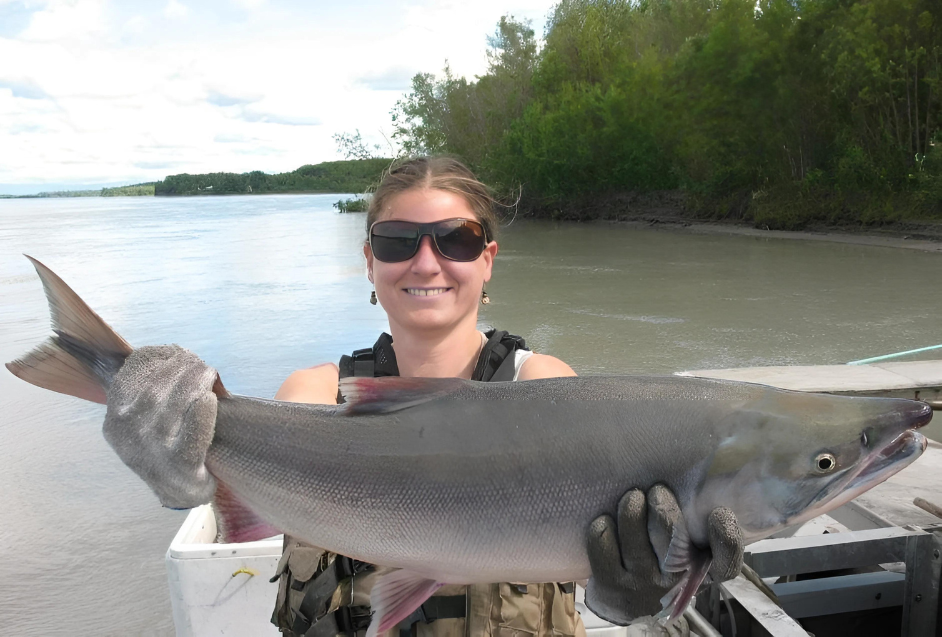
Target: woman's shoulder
{"points": [[316, 385], [544, 366]]}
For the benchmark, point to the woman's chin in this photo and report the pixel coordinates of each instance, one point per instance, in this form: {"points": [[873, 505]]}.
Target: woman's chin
{"points": [[431, 318]]}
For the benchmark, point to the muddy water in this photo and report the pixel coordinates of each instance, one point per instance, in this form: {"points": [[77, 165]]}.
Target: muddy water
{"points": [[260, 286]]}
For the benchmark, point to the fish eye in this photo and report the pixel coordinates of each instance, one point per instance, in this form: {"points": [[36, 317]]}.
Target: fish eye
{"points": [[825, 463]]}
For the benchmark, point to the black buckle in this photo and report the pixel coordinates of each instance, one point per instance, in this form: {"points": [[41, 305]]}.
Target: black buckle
{"points": [[363, 362], [348, 567], [352, 619]]}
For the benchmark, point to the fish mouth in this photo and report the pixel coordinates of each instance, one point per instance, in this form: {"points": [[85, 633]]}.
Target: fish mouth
{"points": [[892, 458], [901, 451], [904, 448]]}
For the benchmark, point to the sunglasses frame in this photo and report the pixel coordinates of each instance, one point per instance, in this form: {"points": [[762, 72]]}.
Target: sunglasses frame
{"points": [[426, 229]]}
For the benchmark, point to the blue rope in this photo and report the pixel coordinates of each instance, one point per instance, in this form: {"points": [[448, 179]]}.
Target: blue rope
{"points": [[888, 356]]}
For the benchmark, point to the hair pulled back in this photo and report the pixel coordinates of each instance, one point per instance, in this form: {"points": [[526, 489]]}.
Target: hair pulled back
{"points": [[439, 173]]}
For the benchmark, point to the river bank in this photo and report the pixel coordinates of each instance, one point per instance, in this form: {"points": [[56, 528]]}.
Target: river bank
{"points": [[674, 210]]}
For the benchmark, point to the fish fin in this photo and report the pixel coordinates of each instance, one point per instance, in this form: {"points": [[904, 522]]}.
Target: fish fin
{"points": [[680, 552], [683, 556], [236, 522], [51, 367], [669, 597], [84, 355], [678, 598], [395, 596], [387, 394], [71, 315]]}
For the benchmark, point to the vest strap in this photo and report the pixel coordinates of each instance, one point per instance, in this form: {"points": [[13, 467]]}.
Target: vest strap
{"points": [[320, 590], [363, 362], [440, 607], [346, 620]]}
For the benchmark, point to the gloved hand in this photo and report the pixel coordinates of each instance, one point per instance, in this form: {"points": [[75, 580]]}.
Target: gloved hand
{"points": [[160, 420], [627, 581]]}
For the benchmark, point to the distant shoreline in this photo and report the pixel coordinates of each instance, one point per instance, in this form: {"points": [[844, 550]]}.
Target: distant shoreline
{"points": [[886, 238], [254, 194], [199, 194], [662, 212], [133, 190]]}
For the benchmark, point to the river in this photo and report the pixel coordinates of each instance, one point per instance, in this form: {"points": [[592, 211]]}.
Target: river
{"points": [[262, 285]]}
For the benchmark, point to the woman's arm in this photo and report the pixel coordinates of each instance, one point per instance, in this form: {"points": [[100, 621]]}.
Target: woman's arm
{"points": [[543, 366], [315, 385]]}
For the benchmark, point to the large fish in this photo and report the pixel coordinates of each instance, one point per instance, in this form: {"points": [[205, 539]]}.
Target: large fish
{"points": [[454, 481]]}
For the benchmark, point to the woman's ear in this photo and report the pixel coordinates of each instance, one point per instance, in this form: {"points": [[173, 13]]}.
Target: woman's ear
{"points": [[490, 251], [368, 253]]}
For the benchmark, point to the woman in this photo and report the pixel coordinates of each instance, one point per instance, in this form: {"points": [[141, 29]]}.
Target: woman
{"points": [[431, 289], [429, 253]]}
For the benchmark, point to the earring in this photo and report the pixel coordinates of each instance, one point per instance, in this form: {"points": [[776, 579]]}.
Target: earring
{"points": [[373, 297], [484, 298]]}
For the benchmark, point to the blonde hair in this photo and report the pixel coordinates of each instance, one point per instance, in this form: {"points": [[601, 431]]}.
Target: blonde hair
{"points": [[440, 173]]}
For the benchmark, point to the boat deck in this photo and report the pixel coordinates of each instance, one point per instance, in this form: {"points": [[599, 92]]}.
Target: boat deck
{"points": [[920, 380]]}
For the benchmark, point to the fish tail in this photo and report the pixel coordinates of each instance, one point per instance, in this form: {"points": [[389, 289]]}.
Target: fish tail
{"points": [[83, 356]]}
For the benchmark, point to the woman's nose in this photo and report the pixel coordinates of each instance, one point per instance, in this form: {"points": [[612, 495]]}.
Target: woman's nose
{"points": [[426, 257]]}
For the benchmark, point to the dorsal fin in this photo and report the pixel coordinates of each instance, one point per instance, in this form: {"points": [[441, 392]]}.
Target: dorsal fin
{"points": [[392, 393]]}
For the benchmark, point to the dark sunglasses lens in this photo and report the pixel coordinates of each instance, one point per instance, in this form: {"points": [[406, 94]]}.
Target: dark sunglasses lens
{"points": [[460, 240], [394, 241]]}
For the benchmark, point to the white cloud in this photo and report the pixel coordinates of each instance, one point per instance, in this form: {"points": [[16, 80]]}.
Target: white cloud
{"points": [[66, 21], [175, 9], [135, 25], [128, 90]]}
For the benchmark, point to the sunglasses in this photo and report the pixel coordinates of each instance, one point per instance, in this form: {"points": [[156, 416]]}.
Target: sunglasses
{"points": [[455, 239]]}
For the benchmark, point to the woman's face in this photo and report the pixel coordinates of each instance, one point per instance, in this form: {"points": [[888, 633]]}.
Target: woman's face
{"points": [[428, 291]]}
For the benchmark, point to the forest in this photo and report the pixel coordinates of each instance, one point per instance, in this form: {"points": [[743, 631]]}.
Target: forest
{"points": [[328, 177], [781, 113]]}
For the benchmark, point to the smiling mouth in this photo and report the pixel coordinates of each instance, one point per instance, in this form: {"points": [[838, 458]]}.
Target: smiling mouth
{"points": [[426, 291]]}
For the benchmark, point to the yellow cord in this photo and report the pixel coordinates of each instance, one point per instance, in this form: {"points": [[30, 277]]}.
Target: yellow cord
{"points": [[248, 571]]}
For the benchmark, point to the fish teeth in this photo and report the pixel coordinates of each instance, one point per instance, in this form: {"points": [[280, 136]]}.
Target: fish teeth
{"points": [[424, 292]]}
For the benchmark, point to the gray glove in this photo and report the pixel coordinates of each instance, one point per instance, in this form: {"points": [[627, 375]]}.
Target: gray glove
{"points": [[627, 581], [160, 420]]}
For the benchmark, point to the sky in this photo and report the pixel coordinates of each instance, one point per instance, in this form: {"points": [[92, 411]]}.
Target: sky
{"points": [[106, 92]]}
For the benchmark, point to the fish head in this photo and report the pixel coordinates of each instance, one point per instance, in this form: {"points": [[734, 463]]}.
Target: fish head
{"points": [[787, 457]]}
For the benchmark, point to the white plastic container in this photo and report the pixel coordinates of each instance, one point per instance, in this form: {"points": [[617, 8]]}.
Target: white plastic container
{"points": [[220, 589]]}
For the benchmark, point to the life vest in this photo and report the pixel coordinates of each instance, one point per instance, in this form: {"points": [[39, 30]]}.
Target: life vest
{"points": [[322, 594], [495, 362]]}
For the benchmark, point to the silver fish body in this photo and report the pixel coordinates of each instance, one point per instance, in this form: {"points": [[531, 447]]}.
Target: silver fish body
{"points": [[485, 482]]}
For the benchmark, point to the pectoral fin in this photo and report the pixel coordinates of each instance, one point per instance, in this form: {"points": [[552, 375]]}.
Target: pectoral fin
{"points": [[683, 556], [395, 596], [680, 553], [236, 522]]}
